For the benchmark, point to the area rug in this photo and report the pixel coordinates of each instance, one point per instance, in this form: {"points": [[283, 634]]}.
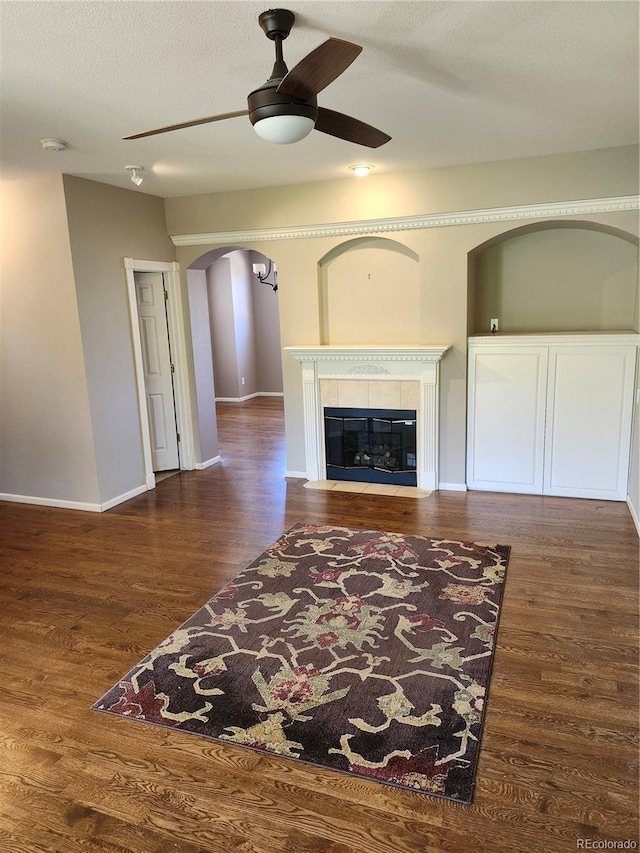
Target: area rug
{"points": [[358, 650]]}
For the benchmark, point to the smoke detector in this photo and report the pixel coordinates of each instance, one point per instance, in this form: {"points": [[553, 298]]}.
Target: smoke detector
{"points": [[53, 144]]}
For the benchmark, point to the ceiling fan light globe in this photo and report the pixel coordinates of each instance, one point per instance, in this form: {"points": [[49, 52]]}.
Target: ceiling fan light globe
{"points": [[284, 129]]}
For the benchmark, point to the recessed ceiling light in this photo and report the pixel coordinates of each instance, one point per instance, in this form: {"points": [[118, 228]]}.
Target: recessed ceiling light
{"points": [[361, 169]]}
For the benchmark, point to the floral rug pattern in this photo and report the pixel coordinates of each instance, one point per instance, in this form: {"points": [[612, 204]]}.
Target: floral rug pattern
{"points": [[357, 650]]}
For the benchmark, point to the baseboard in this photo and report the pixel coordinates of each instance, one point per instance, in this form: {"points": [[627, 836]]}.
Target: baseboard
{"points": [[298, 475], [81, 505], [125, 497], [61, 504], [249, 397], [452, 487], [208, 463], [634, 514]]}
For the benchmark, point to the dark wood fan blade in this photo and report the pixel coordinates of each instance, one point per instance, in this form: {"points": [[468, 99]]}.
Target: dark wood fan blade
{"points": [[351, 129], [193, 123], [319, 68]]}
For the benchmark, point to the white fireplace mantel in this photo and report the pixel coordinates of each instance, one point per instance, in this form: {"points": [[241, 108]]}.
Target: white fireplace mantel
{"points": [[402, 363]]}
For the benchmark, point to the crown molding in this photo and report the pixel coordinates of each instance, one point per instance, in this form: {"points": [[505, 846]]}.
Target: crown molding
{"points": [[411, 223], [358, 353]]}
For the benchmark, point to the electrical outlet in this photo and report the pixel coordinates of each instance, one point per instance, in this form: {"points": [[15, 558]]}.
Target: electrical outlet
{"points": [[493, 324], [243, 380]]}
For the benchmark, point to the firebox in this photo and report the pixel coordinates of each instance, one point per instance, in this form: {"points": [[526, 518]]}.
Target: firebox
{"points": [[371, 445]]}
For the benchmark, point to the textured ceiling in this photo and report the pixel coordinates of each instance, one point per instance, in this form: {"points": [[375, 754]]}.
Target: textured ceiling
{"points": [[452, 82]]}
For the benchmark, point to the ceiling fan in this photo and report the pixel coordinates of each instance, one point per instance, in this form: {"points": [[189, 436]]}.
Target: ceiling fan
{"points": [[285, 108]]}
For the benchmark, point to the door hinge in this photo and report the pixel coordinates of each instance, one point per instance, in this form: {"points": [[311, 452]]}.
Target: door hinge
{"points": [[178, 436], [173, 368], [166, 295]]}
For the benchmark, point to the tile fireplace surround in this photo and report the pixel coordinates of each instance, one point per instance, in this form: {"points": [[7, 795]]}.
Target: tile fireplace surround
{"points": [[375, 377]]}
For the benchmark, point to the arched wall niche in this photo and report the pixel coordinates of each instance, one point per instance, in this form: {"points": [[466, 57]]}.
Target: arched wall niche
{"points": [[369, 293], [235, 336], [554, 276]]}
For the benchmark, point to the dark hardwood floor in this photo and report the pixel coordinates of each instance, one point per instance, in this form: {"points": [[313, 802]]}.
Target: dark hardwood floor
{"points": [[84, 597]]}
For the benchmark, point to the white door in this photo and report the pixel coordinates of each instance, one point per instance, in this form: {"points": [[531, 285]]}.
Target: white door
{"points": [[506, 417], [158, 375]]}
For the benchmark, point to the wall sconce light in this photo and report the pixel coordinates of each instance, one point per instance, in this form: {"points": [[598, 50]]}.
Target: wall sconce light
{"points": [[360, 170], [262, 274], [135, 177]]}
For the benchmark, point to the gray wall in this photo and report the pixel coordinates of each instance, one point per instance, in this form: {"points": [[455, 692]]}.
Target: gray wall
{"points": [[46, 438], [245, 328], [222, 328], [266, 327], [107, 224]]}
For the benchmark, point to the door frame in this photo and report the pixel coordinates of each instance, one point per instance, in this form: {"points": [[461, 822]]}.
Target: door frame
{"points": [[182, 393]]}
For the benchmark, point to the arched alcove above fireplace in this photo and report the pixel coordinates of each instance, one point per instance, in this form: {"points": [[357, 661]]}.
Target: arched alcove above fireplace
{"points": [[370, 293]]}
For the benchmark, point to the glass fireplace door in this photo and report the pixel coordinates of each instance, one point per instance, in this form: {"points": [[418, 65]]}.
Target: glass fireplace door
{"points": [[371, 445]]}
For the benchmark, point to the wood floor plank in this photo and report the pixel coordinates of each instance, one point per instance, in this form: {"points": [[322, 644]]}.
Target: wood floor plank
{"points": [[83, 597]]}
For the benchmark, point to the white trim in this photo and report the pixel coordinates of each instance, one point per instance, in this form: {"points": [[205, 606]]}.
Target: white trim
{"points": [[425, 354], [61, 504], [410, 223], [249, 397], [215, 460], [125, 497], [452, 487], [81, 505], [298, 475], [171, 272], [634, 514], [553, 339], [368, 364]]}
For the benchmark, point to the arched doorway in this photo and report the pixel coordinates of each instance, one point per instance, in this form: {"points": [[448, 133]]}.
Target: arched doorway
{"points": [[235, 332]]}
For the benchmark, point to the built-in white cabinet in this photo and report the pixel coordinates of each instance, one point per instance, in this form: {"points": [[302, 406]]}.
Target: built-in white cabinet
{"points": [[551, 414]]}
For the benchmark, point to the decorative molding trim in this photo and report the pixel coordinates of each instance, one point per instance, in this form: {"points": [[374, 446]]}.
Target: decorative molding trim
{"points": [[367, 369], [411, 223], [297, 475], [373, 353], [551, 339]]}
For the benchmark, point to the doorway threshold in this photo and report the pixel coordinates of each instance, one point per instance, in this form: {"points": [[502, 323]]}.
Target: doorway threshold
{"points": [[164, 475]]}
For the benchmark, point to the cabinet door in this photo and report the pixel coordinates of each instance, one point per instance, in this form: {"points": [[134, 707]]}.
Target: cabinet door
{"points": [[589, 410], [506, 411]]}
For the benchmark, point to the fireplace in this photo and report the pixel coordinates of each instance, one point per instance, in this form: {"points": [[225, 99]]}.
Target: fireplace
{"points": [[402, 377], [371, 445]]}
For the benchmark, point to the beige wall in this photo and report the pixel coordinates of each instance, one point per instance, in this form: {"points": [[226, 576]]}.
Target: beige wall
{"points": [[442, 252], [46, 437], [556, 279], [370, 294], [530, 180], [107, 224]]}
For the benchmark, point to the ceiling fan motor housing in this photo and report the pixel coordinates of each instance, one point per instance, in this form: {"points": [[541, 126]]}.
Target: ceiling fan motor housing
{"points": [[265, 102]]}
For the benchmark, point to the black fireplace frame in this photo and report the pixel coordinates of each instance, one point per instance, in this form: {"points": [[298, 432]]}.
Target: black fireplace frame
{"points": [[403, 472]]}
